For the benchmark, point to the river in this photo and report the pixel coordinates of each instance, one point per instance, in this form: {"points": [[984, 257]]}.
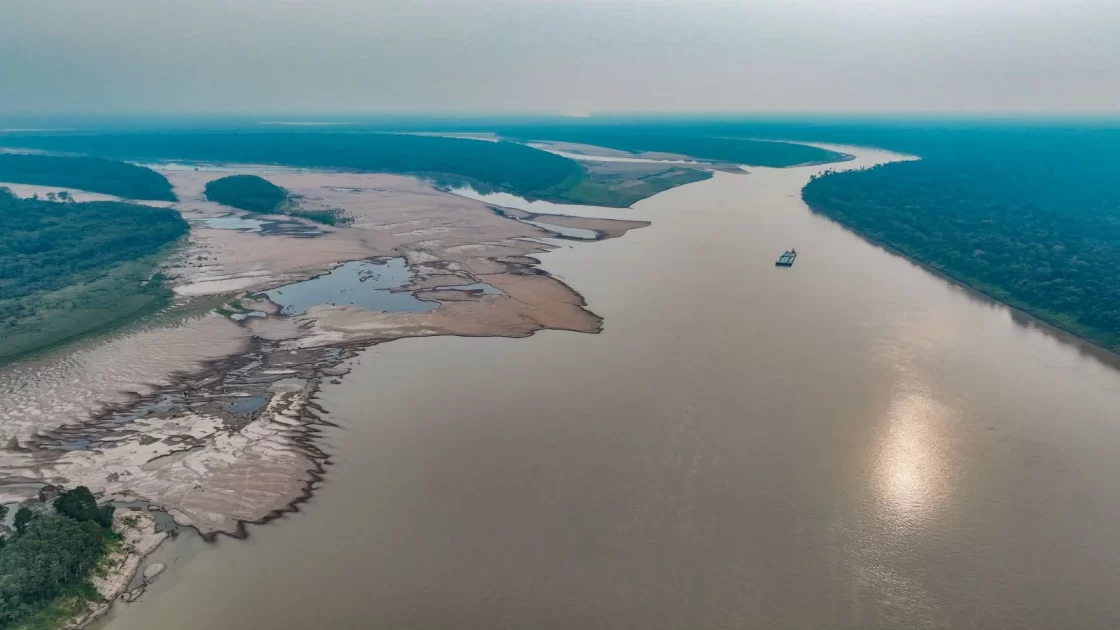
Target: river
{"points": [[849, 443]]}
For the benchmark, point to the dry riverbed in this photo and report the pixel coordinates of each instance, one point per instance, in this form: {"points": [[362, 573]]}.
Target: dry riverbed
{"points": [[212, 416]]}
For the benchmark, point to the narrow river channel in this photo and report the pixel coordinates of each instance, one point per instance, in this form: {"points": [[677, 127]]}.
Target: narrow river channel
{"points": [[848, 443]]}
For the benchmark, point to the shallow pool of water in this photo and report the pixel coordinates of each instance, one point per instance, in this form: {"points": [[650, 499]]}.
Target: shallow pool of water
{"points": [[247, 404], [361, 283], [234, 223]]}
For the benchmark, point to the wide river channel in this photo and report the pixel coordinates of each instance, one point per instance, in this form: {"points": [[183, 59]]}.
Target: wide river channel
{"points": [[849, 443]]}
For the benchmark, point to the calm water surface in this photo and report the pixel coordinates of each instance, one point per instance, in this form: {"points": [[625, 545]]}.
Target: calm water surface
{"points": [[355, 283], [850, 443]]}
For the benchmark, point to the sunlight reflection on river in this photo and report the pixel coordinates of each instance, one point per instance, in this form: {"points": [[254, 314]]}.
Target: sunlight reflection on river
{"points": [[910, 470]]}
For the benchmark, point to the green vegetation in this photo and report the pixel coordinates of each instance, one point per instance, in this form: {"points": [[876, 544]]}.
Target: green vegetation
{"points": [[45, 569], [486, 166], [247, 192], [68, 269], [256, 194], [502, 165], [327, 217], [85, 173], [1025, 211], [615, 187], [23, 517], [80, 505], [1029, 216]]}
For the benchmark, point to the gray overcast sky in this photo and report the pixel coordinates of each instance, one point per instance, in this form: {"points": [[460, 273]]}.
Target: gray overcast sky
{"points": [[560, 56]]}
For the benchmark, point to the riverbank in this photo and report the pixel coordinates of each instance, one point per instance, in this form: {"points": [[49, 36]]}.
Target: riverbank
{"points": [[1089, 342], [114, 576], [1028, 230], [213, 417], [225, 418], [852, 443], [50, 544]]}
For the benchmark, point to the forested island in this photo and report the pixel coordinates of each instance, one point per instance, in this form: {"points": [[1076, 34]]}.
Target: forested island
{"points": [[487, 166], [85, 173], [256, 194], [247, 192], [493, 165], [47, 558], [71, 268]]}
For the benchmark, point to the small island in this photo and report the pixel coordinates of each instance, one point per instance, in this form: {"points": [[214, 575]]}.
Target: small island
{"points": [[258, 195]]}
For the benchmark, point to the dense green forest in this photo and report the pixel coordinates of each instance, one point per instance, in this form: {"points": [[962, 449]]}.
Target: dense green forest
{"points": [[247, 192], [1029, 216], [498, 165], [70, 268], [51, 554], [1034, 197], [256, 194], [85, 173], [1024, 210], [1059, 262]]}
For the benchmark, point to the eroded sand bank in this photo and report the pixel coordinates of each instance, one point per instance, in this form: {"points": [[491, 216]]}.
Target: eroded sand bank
{"points": [[212, 418]]}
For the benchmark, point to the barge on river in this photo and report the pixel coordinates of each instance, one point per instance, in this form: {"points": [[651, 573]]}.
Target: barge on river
{"points": [[787, 258]]}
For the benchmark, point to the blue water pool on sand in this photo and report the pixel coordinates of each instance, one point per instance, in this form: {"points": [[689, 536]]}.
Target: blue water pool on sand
{"points": [[356, 283], [234, 223]]}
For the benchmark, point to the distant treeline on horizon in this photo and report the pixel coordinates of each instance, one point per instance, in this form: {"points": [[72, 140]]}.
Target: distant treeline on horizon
{"points": [[1025, 210]]}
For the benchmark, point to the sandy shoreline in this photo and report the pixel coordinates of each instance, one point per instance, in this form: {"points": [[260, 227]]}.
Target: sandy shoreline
{"points": [[214, 419], [139, 539]]}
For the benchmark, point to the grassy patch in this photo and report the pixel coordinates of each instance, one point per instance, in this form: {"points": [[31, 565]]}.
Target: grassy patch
{"points": [[619, 191], [43, 320], [326, 217]]}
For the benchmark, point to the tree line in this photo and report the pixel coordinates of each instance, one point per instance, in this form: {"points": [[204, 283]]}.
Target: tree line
{"points": [[85, 173], [51, 552], [67, 268]]}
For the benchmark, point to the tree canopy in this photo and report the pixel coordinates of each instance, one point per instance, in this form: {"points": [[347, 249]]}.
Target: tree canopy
{"points": [[85, 173], [80, 505], [502, 165], [50, 554], [1031, 235], [247, 192], [66, 268]]}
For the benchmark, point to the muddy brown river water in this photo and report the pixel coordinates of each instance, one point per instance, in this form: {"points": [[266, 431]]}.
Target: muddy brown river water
{"points": [[849, 443]]}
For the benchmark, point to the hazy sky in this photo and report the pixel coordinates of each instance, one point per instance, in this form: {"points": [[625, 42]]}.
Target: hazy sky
{"points": [[561, 56]]}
